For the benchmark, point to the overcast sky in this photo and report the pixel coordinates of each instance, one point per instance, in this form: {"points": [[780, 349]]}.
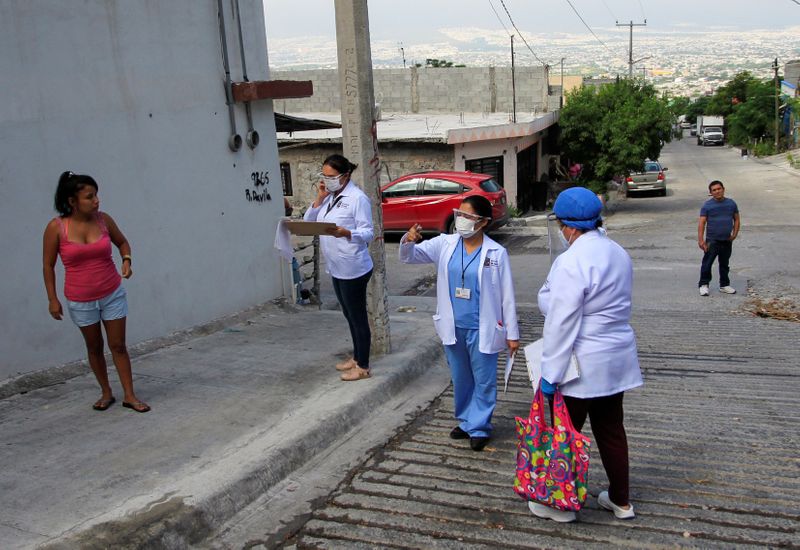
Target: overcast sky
{"points": [[412, 21]]}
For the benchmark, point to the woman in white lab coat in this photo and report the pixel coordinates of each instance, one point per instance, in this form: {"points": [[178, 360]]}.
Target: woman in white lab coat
{"points": [[476, 315], [347, 257], [586, 301]]}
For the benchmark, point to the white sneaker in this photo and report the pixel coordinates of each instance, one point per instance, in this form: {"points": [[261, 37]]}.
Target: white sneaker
{"points": [[542, 511], [727, 290], [619, 513], [704, 290]]}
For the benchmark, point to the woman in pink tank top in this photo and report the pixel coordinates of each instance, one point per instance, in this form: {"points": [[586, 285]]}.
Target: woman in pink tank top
{"points": [[82, 236]]}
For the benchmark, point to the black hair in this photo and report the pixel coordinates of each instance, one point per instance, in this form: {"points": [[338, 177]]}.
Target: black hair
{"points": [[713, 183], [68, 186], [480, 205], [340, 164]]}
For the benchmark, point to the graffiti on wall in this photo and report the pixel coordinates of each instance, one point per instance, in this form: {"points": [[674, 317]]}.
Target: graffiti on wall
{"points": [[259, 190]]}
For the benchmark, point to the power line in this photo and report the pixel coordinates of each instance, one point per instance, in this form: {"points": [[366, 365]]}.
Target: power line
{"points": [[499, 18], [589, 28], [796, 2], [641, 7], [609, 10], [502, 3]]}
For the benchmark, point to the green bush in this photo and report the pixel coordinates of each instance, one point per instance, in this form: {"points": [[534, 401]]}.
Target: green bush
{"points": [[514, 212], [764, 149]]}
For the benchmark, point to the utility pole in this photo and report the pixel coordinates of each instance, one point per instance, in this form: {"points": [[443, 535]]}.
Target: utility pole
{"points": [[403, 53], [630, 46], [777, 104], [360, 145], [513, 85], [561, 100]]}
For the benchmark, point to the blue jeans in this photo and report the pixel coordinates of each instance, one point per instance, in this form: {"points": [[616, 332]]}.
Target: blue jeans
{"points": [[721, 250], [474, 383]]}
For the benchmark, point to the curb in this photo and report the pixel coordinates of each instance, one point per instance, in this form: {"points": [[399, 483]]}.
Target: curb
{"points": [[176, 520]]}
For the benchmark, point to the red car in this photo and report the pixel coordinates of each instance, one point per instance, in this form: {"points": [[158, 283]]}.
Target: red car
{"points": [[428, 198]]}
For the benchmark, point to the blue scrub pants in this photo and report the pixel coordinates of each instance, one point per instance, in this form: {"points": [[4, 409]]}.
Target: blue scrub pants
{"points": [[474, 383]]}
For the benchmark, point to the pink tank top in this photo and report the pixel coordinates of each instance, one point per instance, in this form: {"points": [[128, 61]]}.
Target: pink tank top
{"points": [[90, 273]]}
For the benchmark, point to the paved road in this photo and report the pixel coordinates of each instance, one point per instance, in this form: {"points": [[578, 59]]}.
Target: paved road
{"points": [[713, 434]]}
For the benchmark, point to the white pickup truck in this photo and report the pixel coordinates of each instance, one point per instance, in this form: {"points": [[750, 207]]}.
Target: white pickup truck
{"points": [[709, 130]]}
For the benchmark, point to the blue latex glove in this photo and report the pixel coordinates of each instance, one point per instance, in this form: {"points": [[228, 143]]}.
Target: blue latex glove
{"points": [[547, 388]]}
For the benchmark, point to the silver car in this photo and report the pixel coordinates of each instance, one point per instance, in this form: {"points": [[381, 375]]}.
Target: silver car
{"points": [[651, 178]]}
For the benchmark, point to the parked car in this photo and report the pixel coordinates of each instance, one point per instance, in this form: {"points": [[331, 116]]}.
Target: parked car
{"points": [[686, 124], [711, 135], [651, 178], [693, 130], [428, 198]]}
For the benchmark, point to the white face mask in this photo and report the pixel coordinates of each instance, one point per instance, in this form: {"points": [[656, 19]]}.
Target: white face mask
{"points": [[465, 227], [564, 241], [332, 183]]}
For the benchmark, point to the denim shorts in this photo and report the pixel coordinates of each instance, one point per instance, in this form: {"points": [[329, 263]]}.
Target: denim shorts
{"points": [[108, 308]]}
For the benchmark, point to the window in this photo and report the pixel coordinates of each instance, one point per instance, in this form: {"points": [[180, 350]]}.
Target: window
{"points": [[405, 188], [286, 179], [652, 167], [441, 187], [492, 166], [490, 186]]}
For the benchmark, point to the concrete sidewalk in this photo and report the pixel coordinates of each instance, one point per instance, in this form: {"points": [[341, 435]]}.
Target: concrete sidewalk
{"points": [[234, 412]]}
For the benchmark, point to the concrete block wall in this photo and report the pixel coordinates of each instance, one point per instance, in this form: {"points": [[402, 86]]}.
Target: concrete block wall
{"points": [[455, 89]]}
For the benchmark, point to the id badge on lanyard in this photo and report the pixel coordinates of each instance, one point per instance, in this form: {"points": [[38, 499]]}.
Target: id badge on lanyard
{"points": [[463, 293]]}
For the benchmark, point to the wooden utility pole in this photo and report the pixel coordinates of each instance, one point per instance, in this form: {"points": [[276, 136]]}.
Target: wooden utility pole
{"points": [[777, 105], [360, 145], [561, 99], [630, 46]]}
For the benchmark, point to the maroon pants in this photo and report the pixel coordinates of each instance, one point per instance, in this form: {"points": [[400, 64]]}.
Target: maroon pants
{"points": [[605, 414]]}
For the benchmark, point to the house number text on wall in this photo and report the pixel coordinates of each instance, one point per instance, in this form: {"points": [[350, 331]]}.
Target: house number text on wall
{"points": [[259, 191]]}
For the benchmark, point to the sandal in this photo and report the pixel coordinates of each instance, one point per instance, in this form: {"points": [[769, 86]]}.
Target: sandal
{"points": [[356, 373], [346, 365], [137, 406], [103, 404]]}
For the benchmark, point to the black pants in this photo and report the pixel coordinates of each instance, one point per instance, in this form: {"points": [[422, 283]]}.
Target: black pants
{"points": [[352, 296], [605, 414], [721, 250]]}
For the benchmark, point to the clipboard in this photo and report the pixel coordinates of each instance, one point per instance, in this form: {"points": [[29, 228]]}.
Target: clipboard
{"points": [[304, 228]]}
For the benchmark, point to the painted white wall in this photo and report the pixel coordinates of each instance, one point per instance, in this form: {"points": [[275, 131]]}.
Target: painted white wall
{"points": [[131, 93], [507, 148]]}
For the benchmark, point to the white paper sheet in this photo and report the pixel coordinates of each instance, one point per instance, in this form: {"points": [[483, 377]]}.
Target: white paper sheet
{"points": [[533, 357], [509, 366]]}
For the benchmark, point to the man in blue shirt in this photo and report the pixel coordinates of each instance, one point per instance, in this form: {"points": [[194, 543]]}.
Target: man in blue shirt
{"points": [[716, 231]]}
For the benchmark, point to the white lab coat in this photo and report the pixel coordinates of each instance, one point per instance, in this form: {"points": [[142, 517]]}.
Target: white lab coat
{"points": [[497, 309], [586, 301], [346, 258]]}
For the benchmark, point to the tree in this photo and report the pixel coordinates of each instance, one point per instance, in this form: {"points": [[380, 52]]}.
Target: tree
{"points": [[755, 117], [733, 93], [439, 63], [697, 108], [611, 130]]}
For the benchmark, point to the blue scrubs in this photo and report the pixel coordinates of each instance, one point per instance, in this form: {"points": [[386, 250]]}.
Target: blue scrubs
{"points": [[474, 373]]}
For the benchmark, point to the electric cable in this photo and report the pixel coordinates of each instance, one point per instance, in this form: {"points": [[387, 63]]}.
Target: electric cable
{"points": [[502, 3], [499, 18], [585, 24]]}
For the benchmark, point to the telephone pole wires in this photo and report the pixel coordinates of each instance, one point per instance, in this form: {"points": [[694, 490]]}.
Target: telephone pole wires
{"points": [[630, 46]]}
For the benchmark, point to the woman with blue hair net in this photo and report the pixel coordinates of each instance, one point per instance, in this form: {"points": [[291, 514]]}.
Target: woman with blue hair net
{"points": [[586, 301]]}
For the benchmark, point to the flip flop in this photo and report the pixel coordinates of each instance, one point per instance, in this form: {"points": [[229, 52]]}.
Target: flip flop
{"points": [[103, 404], [137, 406]]}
